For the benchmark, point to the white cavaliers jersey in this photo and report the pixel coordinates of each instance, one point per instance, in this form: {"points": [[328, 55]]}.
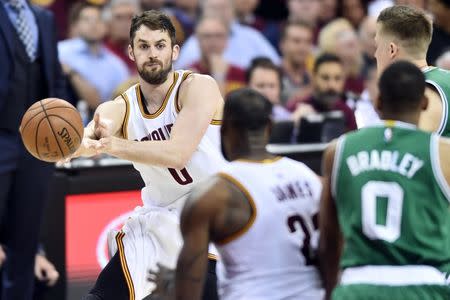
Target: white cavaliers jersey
{"points": [[272, 257], [164, 186]]}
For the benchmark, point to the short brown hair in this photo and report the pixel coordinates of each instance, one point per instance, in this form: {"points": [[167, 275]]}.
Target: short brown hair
{"points": [[410, 26], [77, 8], [262, 62], [154, 20], [296, 23]]}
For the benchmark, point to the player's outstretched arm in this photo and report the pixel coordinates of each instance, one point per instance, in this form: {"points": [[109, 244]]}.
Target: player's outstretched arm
{"points": [[330, 243], [200, 100], [107, 121]]}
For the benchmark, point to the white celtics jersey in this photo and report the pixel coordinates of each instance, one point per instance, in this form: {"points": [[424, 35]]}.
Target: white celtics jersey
{"points": [[273, 257], [163, 186]]}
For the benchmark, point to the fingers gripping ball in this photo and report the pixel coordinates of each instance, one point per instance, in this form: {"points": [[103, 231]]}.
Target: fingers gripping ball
{"points": [[51, 129]]}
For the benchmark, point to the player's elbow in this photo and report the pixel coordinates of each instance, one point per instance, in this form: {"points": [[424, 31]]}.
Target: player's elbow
{"points": [[178, 161]]}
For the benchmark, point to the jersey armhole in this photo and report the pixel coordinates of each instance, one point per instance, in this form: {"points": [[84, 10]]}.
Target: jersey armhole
{"points": [[436, 166], [176, 101], [126, 117], [251, 202], [336, 165], [444, 102]]}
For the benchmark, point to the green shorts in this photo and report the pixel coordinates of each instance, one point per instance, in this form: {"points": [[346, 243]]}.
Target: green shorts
{"points": [[384, 292]]}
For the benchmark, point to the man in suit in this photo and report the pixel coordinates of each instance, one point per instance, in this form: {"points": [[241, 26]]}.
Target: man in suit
{"points": [[29, 71]]}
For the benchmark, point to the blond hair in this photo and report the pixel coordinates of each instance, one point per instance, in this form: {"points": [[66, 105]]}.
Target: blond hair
{"points": [[328, 34], [410, 27], [328, 39]]}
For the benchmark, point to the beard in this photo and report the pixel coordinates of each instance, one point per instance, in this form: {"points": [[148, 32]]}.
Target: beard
{"points": [[327, 99], [155, 77]]}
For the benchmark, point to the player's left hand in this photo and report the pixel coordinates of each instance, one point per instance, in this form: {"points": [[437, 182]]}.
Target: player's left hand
{"points": [[164, 280]]}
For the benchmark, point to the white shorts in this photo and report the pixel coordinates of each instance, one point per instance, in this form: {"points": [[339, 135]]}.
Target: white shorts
{"points": [[150, 236]]}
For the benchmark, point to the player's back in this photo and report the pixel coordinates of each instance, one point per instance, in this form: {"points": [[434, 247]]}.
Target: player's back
{"points": [[272, 257], [440, 80], [393, 203], [163, 185]]}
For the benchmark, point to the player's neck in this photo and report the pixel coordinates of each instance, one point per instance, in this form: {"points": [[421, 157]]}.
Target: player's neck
{"points": [[405, 118], [420, 63], [155, 93], [255, 149], [253, 155]]}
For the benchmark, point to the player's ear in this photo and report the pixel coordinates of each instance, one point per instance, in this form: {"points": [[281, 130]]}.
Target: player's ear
{"points": [[175, 52], [393, 50], [130, 53]]}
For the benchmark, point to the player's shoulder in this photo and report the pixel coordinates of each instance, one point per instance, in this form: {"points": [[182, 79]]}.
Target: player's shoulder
{"points": [[200, 198], [118, 104], [193, 78]]}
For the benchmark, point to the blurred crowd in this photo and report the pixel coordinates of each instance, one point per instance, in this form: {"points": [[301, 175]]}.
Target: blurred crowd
{"points": [[307, 56]]}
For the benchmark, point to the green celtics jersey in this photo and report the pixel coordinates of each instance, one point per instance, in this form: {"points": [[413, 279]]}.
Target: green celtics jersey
{"points": [[391, 197], [440, 79]]}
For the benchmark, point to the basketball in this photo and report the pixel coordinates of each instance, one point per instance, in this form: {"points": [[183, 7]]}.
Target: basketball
{"points": [[51, 129]]}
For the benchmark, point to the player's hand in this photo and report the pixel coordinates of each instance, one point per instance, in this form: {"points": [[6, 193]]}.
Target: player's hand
{"points": [[102, 127], [164, 279], [45, 270], [86, 149]]}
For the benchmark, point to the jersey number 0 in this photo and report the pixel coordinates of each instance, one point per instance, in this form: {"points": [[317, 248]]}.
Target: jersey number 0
{"points": [[183, 178], [371, 193]]}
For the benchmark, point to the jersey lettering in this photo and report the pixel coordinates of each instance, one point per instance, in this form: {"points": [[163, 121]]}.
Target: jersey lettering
{"points": [[186, 177]]}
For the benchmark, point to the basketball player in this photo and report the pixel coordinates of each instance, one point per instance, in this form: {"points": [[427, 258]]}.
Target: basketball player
{"points": [[387, 198], [260, 211], [404, 32], [167, 126]]}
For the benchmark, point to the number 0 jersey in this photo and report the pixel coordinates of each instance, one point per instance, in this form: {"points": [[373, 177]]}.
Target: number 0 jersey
{"points": [[392, 198], [272, 257], [164, 186]]}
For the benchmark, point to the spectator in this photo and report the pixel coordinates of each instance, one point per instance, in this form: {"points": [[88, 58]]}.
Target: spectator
{"points": [[304, 10], [353, 10], [441, 29], [184, 15], [328, 91], [339, 38], [30, 71], [328, 11], [416, 3], [152, 4], [365, 112], [443, 61], [213, 34], [245, 42], [245, 13], [366, 36], [297, 60], [118, 15], [265, 77], [87, 58]]}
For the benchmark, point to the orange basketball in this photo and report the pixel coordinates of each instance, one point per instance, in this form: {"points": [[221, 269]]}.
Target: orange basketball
{"points": [[51, 129]]}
